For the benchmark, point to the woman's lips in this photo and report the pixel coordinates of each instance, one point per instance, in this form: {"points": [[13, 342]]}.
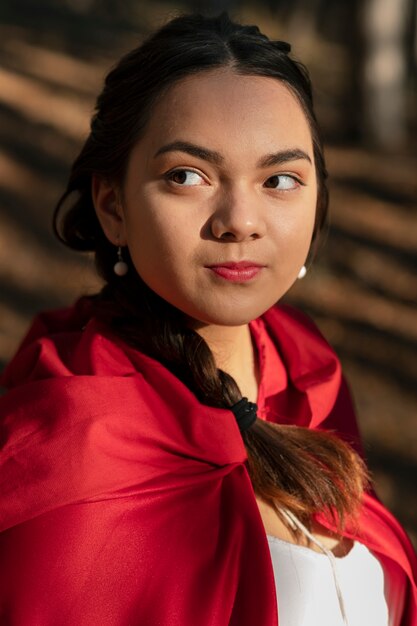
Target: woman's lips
{"points": [[236, 272]]}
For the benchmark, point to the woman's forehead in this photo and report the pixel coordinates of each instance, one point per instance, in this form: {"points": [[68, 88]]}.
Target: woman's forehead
{"points": [[227, 111]]}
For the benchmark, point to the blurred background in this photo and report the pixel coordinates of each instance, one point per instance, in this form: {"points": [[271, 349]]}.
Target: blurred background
{"points": [[362, 289]]}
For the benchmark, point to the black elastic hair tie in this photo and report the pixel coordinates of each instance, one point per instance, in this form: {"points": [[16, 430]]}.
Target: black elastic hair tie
{"points": [[245, 413]]}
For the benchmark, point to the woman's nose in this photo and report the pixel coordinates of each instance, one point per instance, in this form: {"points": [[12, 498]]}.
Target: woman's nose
{"points": [[238, 216]]}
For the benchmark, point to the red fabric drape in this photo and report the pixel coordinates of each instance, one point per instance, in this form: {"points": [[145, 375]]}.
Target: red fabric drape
{"points": [[124, 501]]}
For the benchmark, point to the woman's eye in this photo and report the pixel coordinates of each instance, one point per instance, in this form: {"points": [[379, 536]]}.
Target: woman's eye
{"points": [[282, 182], [185, 178]]}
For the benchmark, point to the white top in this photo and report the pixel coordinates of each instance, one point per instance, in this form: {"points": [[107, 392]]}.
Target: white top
{"points": [[307, 586]]}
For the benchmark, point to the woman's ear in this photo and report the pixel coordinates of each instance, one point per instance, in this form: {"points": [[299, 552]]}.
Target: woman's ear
{"points": [[109, 210]]}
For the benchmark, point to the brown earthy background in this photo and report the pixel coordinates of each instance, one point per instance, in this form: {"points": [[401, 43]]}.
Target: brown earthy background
{"points": [[361, 291]]}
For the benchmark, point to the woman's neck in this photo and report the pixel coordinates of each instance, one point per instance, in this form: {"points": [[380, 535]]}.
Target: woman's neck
{"points": [[235, 353]]}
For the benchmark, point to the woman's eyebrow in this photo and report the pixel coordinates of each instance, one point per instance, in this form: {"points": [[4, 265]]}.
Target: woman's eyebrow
{"points": [[193, 149], [275, 158], [283, 156]]}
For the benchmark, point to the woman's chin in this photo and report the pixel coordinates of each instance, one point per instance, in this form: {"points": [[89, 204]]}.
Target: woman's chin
{"points": [[229, 314]]}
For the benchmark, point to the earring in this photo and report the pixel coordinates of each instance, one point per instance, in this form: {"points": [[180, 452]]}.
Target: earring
{"points": [[120, 268], [302, 272]]}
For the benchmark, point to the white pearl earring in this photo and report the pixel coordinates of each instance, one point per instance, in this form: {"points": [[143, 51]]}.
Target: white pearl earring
{"points": [[120, 268], [302, 272]]}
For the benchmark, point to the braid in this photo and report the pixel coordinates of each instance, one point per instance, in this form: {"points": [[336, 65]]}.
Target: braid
{"points": [[305, 471]]}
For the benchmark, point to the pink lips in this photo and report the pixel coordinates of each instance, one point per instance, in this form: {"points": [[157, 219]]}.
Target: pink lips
{"points": [[237, 272]]}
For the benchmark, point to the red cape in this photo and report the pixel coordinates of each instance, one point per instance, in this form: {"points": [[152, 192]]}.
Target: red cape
{"points": [[124, 501]]}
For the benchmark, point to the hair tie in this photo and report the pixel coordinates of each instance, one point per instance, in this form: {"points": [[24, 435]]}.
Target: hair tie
{"points": [[245, 413]]}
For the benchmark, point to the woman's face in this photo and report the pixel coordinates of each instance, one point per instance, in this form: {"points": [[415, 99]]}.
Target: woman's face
{"points": [[224, 173]]}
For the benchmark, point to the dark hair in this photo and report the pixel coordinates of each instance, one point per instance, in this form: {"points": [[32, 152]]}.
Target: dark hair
{"points": [[300, 469]]}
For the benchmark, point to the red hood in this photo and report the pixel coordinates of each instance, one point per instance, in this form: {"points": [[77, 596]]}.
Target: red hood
{"points": [[89, 420], [70, 341]]}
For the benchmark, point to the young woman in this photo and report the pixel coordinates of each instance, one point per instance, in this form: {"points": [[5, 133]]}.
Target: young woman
{"points": [[179, 449]]}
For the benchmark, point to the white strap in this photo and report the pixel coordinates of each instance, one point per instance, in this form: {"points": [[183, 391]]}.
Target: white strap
{"points": [[294, 522]]}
